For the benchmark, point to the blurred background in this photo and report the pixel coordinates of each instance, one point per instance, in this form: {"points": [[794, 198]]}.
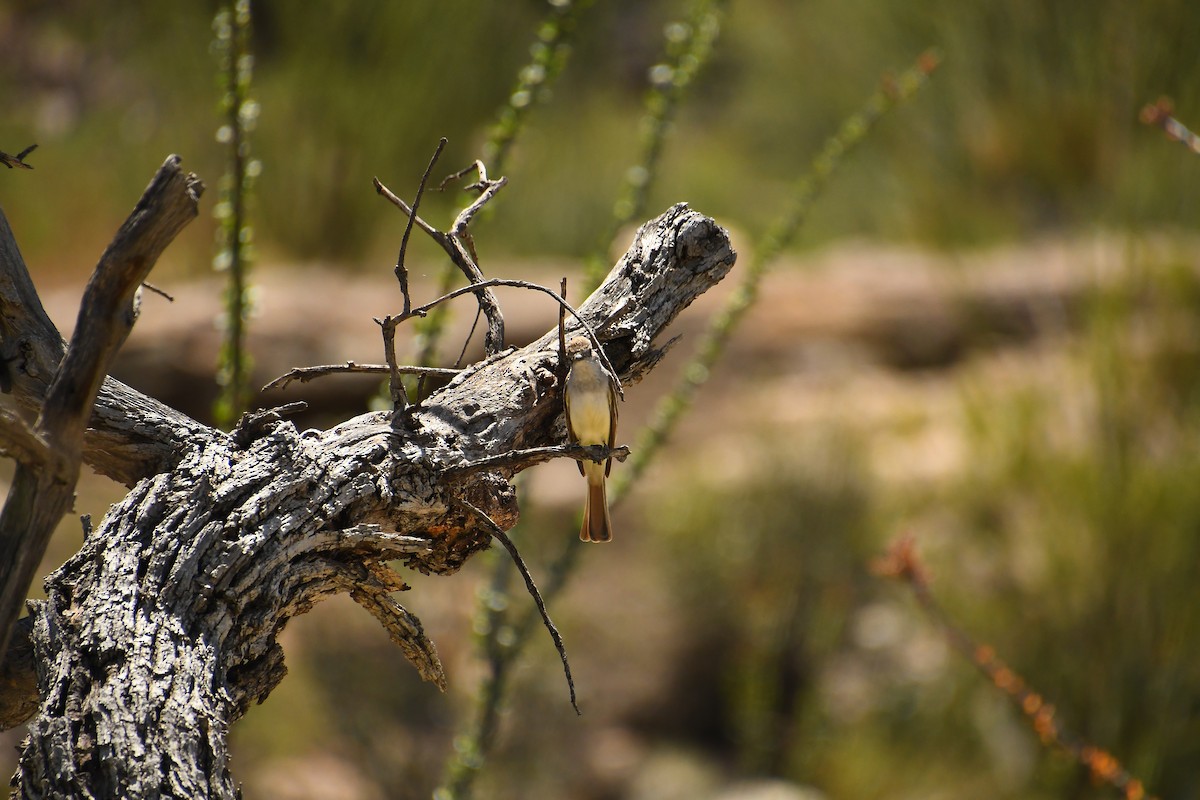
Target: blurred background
{"points": [[986, 335]]}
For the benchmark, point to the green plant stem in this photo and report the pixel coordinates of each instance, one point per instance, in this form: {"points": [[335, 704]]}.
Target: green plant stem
{"points": [[231, 44], [649, 441], [721, 328], [689, 46], [550, 53]]}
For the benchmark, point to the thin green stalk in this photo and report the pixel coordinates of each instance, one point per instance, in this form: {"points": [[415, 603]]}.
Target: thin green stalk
{"points": [[231, 46], [804, 194], [550, 53], [495, 637], [689, 46], [649, 441]]}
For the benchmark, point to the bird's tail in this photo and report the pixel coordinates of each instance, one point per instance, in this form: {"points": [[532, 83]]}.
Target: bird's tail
{"points": [[596, 527]]}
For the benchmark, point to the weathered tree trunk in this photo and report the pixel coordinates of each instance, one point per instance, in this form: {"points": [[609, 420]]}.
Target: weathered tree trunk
{"points": [[160, 632]]}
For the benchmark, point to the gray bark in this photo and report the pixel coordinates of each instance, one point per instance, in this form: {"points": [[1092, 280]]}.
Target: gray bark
{"points": [[162, 629]]}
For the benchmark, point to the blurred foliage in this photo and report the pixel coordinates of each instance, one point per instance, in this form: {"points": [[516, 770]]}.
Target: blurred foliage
{"points": [[1068, 542], [235, 235], [1033, 129], [1084, 505]]}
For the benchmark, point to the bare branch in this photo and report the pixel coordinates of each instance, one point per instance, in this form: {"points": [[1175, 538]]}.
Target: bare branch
{"points": [[150, 286], [40, 494], [457, 245], [395, 385], [500, 536], [487, 190], [19, 440], [517, 460], [306, 374], [401, 270], [387, 193], [421, 311], [370, 585], [129, 435], [19, 159]]}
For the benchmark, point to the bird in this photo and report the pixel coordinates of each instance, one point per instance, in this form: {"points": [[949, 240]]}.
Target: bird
{"points": [[590, 406]]}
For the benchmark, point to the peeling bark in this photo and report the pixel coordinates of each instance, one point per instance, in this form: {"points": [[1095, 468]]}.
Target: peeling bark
{"points": [[162, 629]]}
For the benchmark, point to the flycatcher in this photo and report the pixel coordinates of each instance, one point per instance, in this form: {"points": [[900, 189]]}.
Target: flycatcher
{"points": [[591, 407]]}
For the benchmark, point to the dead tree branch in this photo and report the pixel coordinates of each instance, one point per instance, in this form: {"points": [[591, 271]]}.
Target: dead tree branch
{"points": [[19, 159], [172, 608], [459, 247], [306, 374], [40, 493]]}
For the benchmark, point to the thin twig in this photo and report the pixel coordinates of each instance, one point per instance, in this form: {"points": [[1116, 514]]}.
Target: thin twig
{"points": [[457, 245], [158, 291], [306, 374], [395, 385], [499, 534], [487, 190], [901, 562], [19, 159], [421, 311], [562, 334], [522, 459], [467, 341], [401, 270], [387, 193], [480, 183]]}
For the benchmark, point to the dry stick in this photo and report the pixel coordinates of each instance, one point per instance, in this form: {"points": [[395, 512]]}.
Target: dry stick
{"points": [[522, 459], [467, 341], [487, 190], [901, 562], [19, 159], [562, 335], [396, 388], [421, 311], [306, 374], [502, 537], [456, 244], [401, 269], [40, 494], [158, 291]]}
